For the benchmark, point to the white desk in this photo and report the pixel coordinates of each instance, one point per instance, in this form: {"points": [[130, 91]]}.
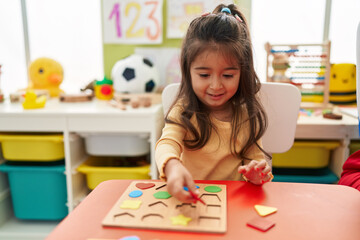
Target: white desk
{"points": [[317, 127]]}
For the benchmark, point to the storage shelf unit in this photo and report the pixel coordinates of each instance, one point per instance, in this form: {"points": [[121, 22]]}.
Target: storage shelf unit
{"points": [[72, 120]]}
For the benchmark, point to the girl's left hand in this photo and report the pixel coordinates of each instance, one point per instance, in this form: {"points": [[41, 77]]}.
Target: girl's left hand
{"points": [[256, 172]]}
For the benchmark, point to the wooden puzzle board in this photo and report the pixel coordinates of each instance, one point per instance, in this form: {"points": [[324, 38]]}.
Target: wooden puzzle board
{"points": [[158, 213]]}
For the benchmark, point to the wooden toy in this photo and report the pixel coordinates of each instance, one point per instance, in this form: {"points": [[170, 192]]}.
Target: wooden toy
{"points": [[149, 205], [77, 97], [89, 86], [306, 66], [116, 104], [19, 96], [331, 115], [123, 100]]}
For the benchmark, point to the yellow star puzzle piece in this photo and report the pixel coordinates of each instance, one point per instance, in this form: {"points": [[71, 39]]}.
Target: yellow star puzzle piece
{"points": [[130, 204], [180, 220], [264, 210]]}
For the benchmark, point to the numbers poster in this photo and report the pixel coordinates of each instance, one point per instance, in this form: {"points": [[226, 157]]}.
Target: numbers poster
{"points": [[181, 12], [132, 21]]}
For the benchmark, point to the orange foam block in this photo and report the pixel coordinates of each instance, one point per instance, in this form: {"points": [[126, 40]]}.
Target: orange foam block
{"points": [[264, 210]]}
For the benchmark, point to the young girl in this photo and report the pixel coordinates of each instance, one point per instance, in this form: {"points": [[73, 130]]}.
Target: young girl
{"points": [[213, 130]]}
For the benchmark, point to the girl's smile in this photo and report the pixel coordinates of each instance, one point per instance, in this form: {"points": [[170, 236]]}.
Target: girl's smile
{"points": [[215, 79]]}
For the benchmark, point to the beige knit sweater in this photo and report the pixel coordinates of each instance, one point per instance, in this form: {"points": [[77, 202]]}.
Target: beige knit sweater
{"points": [[214, 161]]}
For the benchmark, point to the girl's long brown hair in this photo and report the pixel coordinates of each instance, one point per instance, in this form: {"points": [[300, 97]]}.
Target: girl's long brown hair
{"points": [[228, 33]]}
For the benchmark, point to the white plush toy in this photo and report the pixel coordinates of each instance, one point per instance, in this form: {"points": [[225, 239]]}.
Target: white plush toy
{"points": [[134, 74]]}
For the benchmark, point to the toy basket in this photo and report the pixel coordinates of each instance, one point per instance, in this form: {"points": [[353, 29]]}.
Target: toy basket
{"points": [[37, 192], [109, 144], [32, 147], [99, 169], [305, 154]]}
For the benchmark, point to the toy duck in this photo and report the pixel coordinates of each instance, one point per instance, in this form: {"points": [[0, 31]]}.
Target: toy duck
{"points": [[31, 101], [46, 74]]}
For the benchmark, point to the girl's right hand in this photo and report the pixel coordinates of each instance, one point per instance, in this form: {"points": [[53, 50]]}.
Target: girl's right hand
{"points": [[179, 177]]}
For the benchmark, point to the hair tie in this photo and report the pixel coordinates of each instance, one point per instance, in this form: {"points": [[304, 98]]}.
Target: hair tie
{"points": [[238, 18], [205, 14], [226, 10]]}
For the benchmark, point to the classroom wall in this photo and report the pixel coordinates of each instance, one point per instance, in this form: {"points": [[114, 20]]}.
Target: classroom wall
{"points": [[114, 52]]}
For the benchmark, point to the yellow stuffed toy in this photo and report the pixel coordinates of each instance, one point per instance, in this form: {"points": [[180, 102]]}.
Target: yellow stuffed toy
{"points": [[46, 74], [343, 83]]}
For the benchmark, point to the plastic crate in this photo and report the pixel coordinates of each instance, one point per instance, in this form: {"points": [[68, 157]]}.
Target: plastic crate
{"points": [[32, 147], [3, 182], [323, 175], [107, 144], [305, 154], [98, 170], [354, 146], [5, 206], [38, 192]]}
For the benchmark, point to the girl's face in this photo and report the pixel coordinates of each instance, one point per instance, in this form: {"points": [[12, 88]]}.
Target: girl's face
{"points": [[214, 78]]}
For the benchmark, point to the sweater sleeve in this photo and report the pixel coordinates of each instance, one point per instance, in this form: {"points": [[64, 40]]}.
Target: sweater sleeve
{"points": [[255, 153], [351, 171], [170, 145]]}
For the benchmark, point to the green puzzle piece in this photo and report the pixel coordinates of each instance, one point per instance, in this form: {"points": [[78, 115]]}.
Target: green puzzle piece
{"points": [[212, 189], [162, 195]]}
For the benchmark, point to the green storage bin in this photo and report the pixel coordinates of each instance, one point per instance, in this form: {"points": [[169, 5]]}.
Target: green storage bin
{"points": [[323, 175], [38, 192], [6, 211], [305, 154], [354, 146]]}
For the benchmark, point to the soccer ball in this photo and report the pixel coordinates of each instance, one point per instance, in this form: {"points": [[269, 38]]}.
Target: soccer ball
{"points": [[134, 74]]}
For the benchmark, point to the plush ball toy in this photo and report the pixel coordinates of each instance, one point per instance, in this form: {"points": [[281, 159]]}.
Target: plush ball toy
{"points": [[134, 74], [46, 74]]}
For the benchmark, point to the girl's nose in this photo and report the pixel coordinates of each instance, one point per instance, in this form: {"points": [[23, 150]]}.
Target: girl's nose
{"points": [[216, 83]]}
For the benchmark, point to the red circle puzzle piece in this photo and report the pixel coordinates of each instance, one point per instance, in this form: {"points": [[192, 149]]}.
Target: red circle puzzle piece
{"points": [[145, 185]]}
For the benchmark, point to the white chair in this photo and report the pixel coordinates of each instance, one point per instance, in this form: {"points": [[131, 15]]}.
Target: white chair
{"points": [[282, 104]]}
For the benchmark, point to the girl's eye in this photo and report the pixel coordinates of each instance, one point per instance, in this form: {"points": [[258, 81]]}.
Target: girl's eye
{"points": [[204, 75], [228, 76]]}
